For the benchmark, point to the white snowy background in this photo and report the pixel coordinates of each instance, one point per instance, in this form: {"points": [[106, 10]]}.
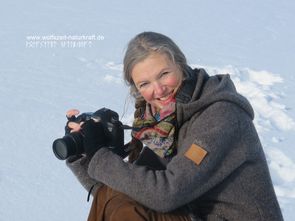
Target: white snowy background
{"points": [[40, 79]]}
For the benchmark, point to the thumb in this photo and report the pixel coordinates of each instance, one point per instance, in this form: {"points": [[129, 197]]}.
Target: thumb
{"points": [[72, 112]]}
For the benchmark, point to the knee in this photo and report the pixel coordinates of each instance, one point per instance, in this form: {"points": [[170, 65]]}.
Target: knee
{"points": [[125, 209]]}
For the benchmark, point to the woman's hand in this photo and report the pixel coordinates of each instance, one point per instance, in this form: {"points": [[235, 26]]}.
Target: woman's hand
{"points": [[73, 126], [93, 132]]}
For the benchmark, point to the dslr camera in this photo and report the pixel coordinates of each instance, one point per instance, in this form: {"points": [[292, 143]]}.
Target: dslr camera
{"points": [[72, 143]]}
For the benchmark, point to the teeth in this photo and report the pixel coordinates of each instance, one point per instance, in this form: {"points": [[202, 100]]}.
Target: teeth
{"points": [[164, 98]]}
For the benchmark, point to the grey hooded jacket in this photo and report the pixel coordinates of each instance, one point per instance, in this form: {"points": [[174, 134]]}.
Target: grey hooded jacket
{"points": [[219, 171]]}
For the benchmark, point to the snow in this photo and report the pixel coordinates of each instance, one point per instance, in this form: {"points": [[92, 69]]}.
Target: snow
{"points": [[56, 55]]}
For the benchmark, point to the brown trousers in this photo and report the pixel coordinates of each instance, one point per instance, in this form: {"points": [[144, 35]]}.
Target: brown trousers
{"points": [[111, 205]]}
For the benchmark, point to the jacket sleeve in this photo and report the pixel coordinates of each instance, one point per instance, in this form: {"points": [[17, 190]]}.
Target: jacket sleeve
{"points": [[79, 168], [217, 130]]}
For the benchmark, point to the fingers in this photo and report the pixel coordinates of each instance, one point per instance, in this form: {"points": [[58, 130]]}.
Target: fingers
{"points": [[75, 127]]}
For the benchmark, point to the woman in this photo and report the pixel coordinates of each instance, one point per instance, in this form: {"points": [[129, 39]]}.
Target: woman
{"points": [[212, 165]]}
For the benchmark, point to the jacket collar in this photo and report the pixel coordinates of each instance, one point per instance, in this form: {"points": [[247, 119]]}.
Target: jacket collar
{"points": [[185, 92]]}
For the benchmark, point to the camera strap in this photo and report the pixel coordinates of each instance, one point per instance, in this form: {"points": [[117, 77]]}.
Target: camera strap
{"points": [[90, 191]]}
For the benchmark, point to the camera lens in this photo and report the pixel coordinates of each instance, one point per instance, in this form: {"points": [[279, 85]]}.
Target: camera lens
{"points": [[60, 149], [69, 145]]}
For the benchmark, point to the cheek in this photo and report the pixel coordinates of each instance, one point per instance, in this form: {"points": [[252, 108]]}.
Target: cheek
{"points": [[173, 81], [147, 95]]}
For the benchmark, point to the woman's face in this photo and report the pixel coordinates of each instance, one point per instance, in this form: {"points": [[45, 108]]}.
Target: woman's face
{"points": [[157, 79]]}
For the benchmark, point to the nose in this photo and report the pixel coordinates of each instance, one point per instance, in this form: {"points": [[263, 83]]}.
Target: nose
{"points": [[159, 89]]}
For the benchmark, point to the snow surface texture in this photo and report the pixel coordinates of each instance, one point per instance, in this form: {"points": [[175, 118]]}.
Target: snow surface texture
{"points": [[42, 76]]}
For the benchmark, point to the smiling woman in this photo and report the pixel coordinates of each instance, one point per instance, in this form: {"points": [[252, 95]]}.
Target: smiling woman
{"points": [[194, 153]]}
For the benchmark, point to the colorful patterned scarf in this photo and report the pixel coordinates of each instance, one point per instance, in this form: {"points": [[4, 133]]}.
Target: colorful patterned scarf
{"points": [[157, 131]]}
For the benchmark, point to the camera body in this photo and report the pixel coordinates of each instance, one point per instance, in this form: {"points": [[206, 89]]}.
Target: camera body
{"points": [[72, 143]]}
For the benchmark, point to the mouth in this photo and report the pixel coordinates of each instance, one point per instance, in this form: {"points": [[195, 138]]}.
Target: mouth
{"points": [[167, 98]]}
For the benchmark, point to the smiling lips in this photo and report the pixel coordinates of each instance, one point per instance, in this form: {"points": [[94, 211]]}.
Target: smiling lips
{"points": [[165, 100]]}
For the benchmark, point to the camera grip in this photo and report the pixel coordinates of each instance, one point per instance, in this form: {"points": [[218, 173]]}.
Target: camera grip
{"points": [[117, 139], [94, 137]]}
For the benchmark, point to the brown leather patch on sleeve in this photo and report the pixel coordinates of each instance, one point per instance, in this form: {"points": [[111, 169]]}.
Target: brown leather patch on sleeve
{"points": [[196, 154]]}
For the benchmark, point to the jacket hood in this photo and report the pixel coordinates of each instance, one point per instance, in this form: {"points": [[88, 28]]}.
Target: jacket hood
{"points": [[199, 90]]}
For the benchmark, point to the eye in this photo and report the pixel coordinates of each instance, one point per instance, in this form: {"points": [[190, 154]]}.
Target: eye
{"points": [[142, 85], [164, 74]]}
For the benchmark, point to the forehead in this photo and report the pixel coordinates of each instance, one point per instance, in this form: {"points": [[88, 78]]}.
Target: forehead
{"points": [[153, 64]]}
